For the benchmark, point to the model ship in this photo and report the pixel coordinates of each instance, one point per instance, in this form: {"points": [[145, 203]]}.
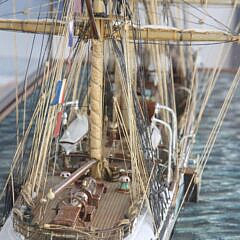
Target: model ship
{"points": [[111, 140]]}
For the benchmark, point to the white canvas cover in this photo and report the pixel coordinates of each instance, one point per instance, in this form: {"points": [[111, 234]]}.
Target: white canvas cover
{"points": [[76, 130]]}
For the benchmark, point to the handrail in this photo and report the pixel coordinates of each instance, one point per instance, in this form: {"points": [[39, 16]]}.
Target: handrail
{"points": [[154, 119], [174, 127]]}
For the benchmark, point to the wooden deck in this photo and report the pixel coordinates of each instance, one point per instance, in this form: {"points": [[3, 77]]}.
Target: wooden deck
{"points": [[106, 222], [113, 207]]}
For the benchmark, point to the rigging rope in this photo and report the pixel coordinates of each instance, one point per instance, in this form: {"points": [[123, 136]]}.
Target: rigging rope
{"points": [[16, 78], [208, 15], [199, 22], [212, 80], [213, 135]]}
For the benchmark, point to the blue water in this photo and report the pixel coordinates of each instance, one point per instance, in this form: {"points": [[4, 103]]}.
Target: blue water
{"points": [[8, 129], [216, 215]]}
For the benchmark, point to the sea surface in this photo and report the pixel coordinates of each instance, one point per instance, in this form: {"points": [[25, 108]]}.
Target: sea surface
{"points": [[217, 214]]}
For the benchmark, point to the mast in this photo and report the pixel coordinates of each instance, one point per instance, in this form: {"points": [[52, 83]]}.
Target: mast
{"points": [[96, 94]]}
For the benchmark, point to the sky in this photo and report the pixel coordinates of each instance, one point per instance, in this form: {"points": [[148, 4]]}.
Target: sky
{"points": [[24, 41], [14, 57]]}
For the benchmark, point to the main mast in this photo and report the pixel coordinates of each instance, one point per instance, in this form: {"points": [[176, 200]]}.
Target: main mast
{"points": [[96, 93]]}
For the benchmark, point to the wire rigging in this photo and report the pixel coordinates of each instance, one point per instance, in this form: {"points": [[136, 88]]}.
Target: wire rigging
{"points": [[210, 16]]}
